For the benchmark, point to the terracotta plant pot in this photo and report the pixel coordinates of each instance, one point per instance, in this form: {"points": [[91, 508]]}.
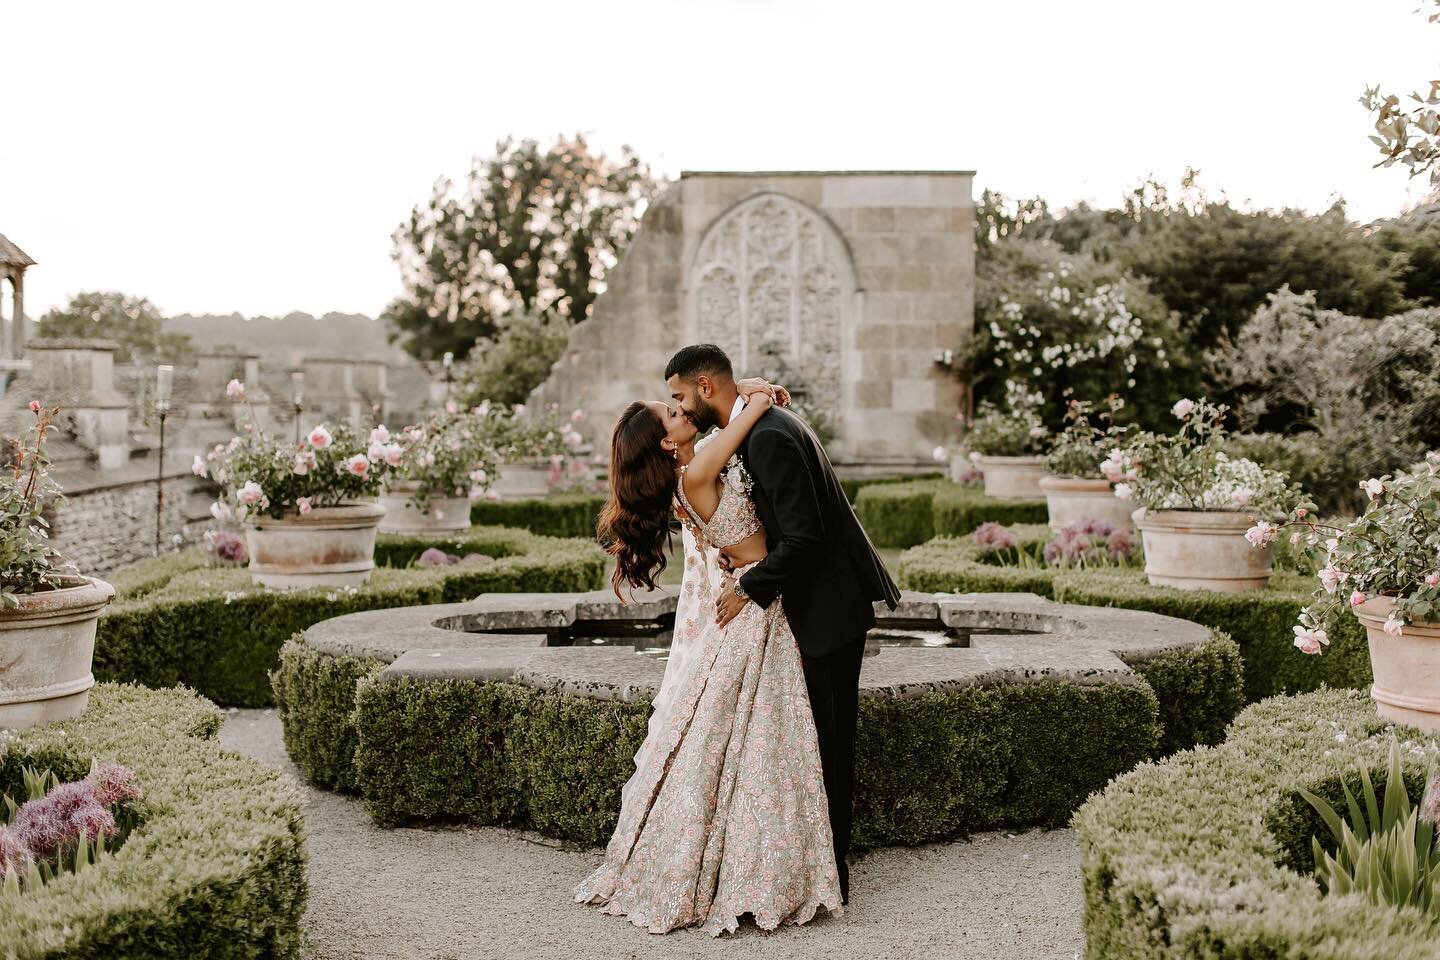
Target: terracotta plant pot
{"points": [[1202, 550], [327, 547], [46, 648], [1013, 478], [1073, 499], [440, 515], [1406, 668]]}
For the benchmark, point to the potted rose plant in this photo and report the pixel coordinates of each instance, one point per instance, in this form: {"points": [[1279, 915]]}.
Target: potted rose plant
{"points": [[47, 610], [1383, 565], [1197, 503], [1076, 489], [539, 452], [436, 467], [308, 509], [1007, 445]]}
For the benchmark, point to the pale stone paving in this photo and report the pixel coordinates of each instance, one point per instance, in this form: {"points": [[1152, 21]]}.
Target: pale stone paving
{"points": [[481, 893]]}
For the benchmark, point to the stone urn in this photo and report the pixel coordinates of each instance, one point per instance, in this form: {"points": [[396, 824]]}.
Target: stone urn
{"points": [[1013, 478], [1202, 550], [439, 515], [46, 648], [1406, 667], [1073, 499], [327, 547]]}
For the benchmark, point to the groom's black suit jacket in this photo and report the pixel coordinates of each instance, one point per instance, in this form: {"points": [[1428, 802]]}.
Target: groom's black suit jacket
{"points": [[820, 562]]}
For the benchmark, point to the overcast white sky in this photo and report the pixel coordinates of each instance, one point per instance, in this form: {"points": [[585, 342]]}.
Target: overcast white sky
{"points": [[256, 157]]}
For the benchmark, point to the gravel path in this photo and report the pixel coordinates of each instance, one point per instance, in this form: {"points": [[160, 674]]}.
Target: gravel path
{"points": [[480, 893]]}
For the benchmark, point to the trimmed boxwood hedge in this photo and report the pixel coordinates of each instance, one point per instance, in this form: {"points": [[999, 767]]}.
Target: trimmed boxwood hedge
{"points": [[216, 866], [907, 514], [562, 515], [177, 621], [1206, 855], [928, 767], [1259, 622]]}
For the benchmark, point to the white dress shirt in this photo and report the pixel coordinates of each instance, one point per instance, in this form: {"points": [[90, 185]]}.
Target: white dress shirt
{"points": [[735, 410]]}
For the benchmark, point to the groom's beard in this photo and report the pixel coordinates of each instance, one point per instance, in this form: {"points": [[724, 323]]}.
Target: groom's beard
{"points": [[705, 417]]}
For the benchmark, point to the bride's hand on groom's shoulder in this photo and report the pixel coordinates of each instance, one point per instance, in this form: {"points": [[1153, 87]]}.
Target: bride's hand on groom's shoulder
{"points": [[752, 386]]}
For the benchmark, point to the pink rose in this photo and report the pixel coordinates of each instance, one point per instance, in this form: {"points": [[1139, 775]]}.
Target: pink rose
{"points": [[1394, 626], [1356, 598], [1432, 579], [1330, 578], [1372, 487], [380, 435], [376, 453], [1309, 640], [320, 438], [251, 494], [198, 467], [577, 415], [479, 476], [1261, 534], [1182, 408], [358, 465], [34, 406], [393, 454], [235, 390], [303, 505]]}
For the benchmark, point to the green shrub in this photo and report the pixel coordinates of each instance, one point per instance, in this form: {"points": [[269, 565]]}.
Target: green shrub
{"points": [[1202, 856], [1259, 622], [853, 485], [928, 767], [211, 628], [562, 515], [906, 514], [215, 867]]}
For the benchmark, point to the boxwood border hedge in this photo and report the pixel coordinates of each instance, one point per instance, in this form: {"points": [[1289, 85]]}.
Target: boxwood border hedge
{"points": [[928, 767], [1206, 855], [216, 866], [574, 514], [1259, 622], [177, 621], [908, 514]]}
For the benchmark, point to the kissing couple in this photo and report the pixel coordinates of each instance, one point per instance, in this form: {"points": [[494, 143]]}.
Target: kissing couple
{"points": [[741, 801]]}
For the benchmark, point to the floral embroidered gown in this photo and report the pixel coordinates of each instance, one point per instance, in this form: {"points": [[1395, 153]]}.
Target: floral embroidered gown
{"points": [[726, 813]]}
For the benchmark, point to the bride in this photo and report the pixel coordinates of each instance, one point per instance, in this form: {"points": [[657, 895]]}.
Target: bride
{"points": [[726, 813]]}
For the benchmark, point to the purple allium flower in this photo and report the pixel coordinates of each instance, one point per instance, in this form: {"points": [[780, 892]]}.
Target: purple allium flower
{"points": [[435, 557], [90, 821], [1121, 544], [1095, 527], [114, 783], [230, 547], [1075, 543], [44, 824], [971, 477], [14, 853], [992, 536], [1430, 803]]}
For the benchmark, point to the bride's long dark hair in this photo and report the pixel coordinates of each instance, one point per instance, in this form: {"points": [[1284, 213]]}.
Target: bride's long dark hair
{"points": [[634, 525]]}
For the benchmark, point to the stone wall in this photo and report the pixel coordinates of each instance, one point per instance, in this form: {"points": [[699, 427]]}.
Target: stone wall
{"points": [[854, 280], [109, 525]]}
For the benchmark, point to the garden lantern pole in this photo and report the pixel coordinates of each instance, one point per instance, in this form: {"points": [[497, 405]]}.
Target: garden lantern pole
{"points": [[297, 398], [164, 380]]}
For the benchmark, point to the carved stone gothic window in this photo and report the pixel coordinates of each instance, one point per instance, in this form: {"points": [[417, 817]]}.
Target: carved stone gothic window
{"points": [[771, 284]]}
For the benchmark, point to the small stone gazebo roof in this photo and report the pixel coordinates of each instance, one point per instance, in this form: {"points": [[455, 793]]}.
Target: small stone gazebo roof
{"points": [[13, 256]]}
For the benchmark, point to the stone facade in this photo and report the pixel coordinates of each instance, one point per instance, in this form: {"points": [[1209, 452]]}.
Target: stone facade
{"points": [[849, 282], [110, 524]]}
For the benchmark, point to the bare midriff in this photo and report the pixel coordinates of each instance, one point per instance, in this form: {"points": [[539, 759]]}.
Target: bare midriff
{"points": [[750, 550]]}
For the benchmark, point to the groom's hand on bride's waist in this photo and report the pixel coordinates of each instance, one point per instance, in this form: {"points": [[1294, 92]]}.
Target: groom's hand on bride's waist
{"points": [[730, 604]]}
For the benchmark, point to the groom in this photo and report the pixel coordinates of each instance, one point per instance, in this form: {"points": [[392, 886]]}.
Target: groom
{"points": [[820, 563]]}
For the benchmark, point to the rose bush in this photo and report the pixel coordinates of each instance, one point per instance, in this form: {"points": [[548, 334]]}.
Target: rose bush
{"points": [[1016, 430], [1391, 550], [1190, 470], [1086, 440]]}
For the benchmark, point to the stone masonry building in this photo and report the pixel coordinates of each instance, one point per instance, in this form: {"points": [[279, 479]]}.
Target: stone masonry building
{"points": [[852, 283]]}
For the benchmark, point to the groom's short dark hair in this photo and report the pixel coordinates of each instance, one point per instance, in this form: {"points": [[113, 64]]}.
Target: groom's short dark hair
{"points": [[697, 359]]}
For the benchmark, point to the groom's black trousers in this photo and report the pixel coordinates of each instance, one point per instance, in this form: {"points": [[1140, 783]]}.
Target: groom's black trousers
{"points": [[834, 684]]}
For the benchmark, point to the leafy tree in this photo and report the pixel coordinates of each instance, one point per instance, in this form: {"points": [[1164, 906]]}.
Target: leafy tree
{"points": [[517, 360], [1410, 137], [532, 230], [1415, 237], [132, 322]]}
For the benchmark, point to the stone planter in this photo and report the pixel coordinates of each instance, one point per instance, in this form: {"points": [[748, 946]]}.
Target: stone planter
{"points": [[1406, 668], [525, 480], [327, 547], [46, 648], [1013, 478], [441, 514], [1073, 499], [1202, 550]]}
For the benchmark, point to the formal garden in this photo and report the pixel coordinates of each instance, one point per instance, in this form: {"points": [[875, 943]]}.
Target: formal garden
{"points": [[1171, 585]]}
